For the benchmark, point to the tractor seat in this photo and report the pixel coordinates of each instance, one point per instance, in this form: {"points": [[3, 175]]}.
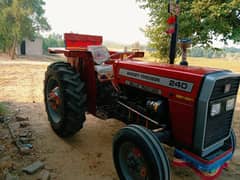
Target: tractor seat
{"points": [[100, 55], [104, 72]]}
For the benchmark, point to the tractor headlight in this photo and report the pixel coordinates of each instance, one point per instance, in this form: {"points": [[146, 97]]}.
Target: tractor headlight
{"points": [[215, 109], [230, 104]]}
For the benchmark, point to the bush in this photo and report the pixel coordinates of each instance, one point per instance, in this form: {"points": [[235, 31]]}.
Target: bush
{"points": [[53, 40]]}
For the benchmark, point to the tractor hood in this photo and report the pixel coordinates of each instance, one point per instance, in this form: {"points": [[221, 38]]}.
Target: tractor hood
{"points": [[167, 78], [190, 70]]}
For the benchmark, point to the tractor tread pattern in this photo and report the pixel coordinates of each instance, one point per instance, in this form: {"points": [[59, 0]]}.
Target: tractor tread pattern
{"points": [[152, 145], [73, 98]]}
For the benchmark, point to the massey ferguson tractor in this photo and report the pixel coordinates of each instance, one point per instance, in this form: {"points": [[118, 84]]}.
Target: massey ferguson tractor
{"points": [[188, 108]]}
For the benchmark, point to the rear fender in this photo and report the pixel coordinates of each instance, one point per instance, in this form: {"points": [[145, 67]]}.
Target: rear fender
{"points": [[84, 65]]}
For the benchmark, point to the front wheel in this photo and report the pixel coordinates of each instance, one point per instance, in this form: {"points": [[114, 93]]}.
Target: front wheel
{"points": [[233, 140], [138, 155], [64, 98]]}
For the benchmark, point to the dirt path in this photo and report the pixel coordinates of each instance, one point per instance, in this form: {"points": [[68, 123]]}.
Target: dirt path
{"points": [[87, 155]]}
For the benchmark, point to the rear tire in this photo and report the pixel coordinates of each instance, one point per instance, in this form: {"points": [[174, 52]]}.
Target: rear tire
{"points": [[138, 155], [66, 112]]}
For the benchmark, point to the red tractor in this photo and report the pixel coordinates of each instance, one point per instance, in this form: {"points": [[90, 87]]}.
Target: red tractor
{"points": [[190, 108]]}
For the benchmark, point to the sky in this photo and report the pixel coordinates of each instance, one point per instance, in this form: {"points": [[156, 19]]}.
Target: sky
{"points": [[115, 20]]}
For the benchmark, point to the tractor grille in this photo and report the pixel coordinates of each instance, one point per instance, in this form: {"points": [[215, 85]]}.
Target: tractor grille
{"points": [[218, 127], [218, 91]]}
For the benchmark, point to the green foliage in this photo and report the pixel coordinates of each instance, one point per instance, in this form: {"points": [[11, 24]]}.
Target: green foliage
{"points": [[120, 47], [207, 52], [196, 52], [213, 52], [3, 109], [200, 20], [20, 19], [53, 40], [232, 50]]}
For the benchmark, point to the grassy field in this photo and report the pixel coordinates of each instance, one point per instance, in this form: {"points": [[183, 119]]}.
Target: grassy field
{"points": [[232, 64]]}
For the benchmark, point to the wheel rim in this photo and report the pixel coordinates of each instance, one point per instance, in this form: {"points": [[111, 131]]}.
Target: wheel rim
{"points": [[53, 100], [132, 162]]}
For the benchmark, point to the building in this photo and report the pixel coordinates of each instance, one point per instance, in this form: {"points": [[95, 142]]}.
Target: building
{"points": [[31, 47]]}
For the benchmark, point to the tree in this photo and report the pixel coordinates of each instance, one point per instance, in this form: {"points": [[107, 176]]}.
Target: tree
{"points": [[200, 20], [136, 45], [196, 52], [53, 40], [20, 19]]}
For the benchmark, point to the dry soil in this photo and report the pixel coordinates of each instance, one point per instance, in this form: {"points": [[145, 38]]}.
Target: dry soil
{"points": [[88, 154]]}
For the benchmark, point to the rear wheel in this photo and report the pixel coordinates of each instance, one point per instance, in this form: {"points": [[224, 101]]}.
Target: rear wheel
{"points": [[64, 99], [138, 155]]}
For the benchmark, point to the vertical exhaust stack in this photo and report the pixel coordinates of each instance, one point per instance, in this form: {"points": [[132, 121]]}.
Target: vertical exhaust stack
{"points": [[184, 44]]}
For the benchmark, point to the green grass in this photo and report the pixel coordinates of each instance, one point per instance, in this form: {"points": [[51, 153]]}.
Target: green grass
{"points": [[3, 109]]}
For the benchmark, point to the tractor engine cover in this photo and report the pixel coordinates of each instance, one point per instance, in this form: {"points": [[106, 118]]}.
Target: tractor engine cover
{"points": [[191, 93]]}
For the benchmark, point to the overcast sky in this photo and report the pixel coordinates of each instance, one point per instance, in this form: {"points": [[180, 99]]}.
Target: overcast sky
{"points": [[116, 20]]}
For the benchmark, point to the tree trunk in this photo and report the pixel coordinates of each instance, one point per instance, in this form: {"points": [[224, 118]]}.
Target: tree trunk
{"points": [[8, 51], [13, 52]]}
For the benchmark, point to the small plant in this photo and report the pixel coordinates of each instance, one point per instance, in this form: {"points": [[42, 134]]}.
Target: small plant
{"points": [[3, 109]]}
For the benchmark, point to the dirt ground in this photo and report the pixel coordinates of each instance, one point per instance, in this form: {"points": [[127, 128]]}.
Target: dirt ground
{"points": [[87, 155]]}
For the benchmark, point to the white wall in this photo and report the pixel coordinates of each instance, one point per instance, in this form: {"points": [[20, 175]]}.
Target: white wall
{"points": [[34, 48]]}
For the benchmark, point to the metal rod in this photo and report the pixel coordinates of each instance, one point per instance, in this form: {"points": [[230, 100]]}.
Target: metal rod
{"points": [[138, 113], [173, 45]]}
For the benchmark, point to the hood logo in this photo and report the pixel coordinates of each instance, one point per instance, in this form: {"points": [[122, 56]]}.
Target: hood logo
{"points": [[155, 79]]}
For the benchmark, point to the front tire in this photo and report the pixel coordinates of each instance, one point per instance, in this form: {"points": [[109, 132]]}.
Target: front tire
{"points": [[64, 98], [233, 140], [138, 155]]}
